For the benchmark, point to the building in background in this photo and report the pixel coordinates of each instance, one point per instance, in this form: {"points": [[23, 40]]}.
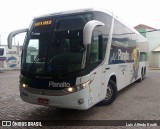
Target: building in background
{"points": [[13, 57], [153, 37], [3, 58]]}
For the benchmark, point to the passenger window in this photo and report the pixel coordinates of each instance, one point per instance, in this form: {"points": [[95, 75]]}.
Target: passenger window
{"points": [[96, 47]]}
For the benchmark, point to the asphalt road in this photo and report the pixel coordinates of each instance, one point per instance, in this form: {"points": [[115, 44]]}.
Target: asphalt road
{"points": [[139, 101]]}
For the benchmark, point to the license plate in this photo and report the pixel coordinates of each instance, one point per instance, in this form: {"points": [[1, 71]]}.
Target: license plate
{"points": [[43, 101]]}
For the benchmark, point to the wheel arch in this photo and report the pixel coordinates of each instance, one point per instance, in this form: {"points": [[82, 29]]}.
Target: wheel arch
{"points": [[112, 82], [113, 77]]}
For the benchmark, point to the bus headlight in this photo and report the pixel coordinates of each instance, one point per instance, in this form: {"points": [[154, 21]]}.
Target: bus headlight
{"points": [[78, 87], [24, 85], [24, 81], [70, 89]]}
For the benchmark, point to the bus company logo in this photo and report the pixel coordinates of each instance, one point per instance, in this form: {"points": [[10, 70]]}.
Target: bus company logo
{"points": [[123, 55], [55, 84], [42, 92]]}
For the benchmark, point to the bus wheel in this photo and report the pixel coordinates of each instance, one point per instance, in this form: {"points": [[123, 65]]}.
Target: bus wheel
{"points": [[144, 73], [111, 93], [142, 76]]}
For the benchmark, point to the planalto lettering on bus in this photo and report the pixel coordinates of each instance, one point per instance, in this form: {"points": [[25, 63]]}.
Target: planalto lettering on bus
{"points": [[123, 55], [76, 59]]}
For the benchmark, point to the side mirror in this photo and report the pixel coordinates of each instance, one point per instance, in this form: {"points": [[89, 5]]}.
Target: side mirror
{"points": [[12, 34], [88, 29]]}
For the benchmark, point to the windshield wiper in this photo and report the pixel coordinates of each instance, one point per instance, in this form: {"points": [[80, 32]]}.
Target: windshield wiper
{"points": [[58, 70]]}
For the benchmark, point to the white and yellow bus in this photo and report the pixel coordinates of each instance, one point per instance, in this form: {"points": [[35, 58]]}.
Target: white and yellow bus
{"points": [[76, 59]]}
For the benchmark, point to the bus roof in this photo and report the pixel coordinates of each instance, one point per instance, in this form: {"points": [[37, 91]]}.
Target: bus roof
{"points": [[74, 11], [90, 10]]}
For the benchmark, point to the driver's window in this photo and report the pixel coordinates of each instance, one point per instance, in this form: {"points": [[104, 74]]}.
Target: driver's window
{"points": [[96, 46], [32, 50], [94, 49]]}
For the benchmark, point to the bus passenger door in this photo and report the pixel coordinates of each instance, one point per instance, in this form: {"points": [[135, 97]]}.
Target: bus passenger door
{"points": [[95, 61]]}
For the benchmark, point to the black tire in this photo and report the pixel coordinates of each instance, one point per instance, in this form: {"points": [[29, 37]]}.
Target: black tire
{"points": [[142, 76], [111, 94], [144, 73]]}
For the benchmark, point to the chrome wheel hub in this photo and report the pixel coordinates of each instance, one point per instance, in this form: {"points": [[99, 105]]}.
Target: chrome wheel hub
{"points": [[109, 93]]}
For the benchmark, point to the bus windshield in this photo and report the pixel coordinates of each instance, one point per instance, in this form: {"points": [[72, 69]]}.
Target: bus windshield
{"points": [[55, 45]]}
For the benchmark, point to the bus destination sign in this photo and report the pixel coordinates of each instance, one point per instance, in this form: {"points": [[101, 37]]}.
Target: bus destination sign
{"points": [[43, 23]]}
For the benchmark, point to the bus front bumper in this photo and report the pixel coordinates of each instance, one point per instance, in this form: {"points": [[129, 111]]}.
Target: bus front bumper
{"points": [[76, 100]]}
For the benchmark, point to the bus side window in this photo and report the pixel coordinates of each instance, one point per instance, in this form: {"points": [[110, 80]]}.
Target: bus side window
{"points": [[96, 47]]}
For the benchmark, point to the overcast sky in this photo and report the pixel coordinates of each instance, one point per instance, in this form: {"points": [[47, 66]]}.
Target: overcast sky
{"points": [[17, 14]]}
